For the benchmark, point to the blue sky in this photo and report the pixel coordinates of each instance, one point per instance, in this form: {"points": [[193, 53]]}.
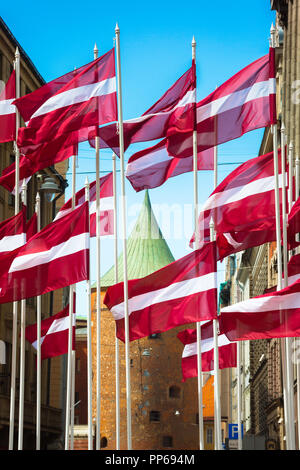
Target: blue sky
{"points": [[155, 50]]}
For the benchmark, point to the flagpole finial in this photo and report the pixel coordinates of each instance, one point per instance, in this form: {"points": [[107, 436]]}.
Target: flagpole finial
{"points": [[86, 183], [24, 184], [17, 53], [291, 146], [117, 29], [95, 51], [282, 126], [193, 41]]}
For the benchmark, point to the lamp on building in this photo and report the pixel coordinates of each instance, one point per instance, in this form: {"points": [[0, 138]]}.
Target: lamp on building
{"points": [[49, 188]]}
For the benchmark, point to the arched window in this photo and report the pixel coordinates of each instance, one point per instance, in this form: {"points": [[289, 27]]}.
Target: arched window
{"points": [[103, 442], [174, 392]]}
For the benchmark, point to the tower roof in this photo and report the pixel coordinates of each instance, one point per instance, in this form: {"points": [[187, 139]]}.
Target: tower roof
{"points": [[147, 250]]}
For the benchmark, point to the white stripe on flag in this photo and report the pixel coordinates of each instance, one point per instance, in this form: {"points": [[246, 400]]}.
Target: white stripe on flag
{"points": [[147, 161], [77, 95], [6, 107], [236, 99], [259, 186], [106, 204], [206, 345], [174, 291], [61, 324], [265, 304], [11, 242], [69, 247]]}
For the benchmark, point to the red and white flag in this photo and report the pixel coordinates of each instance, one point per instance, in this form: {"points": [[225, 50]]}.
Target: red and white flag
{"points": [[233, 242], [272, 315], [243, 103], [182, 292], [293, 227], [62, 108], [244, 201], [13, 233], [227, 351], [54, 334], [151, 167], [27, 167], [173, 113], [8, 110], [55, 257], [106, 206]]}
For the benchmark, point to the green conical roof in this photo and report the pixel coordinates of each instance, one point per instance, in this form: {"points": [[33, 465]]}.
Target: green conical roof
{"points": [[147, 250]]}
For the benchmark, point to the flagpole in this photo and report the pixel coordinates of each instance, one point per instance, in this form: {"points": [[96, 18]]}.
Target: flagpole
{"points": [[98, 286], [22, 352], [239, 395], [117, 355], [15, 304], [217, 404], [39, 356], [297, 190], [279, 264], [70, 336], [89, 342], [123, 205], [290, 371], [197, 245]]}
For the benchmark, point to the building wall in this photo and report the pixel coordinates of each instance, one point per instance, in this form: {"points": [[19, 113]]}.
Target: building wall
{"points": [[51, 370], [155, 367]]}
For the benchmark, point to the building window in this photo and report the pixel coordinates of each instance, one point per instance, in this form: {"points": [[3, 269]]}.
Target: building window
{"points": [[209, 435], [154, 416], [167, 441], [103, 442], [174, 392]]}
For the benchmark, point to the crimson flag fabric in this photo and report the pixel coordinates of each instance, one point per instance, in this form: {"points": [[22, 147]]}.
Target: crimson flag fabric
{"points": [[151, 167], [272, 315], [243, 103], [13, 233], [227, 351], [293, 228], [8, 110], [173, 113], [244, 201], [28, 168], [64, 111], [31, 226], [233, 242], [55, 257], [182, 292], [54, 334], [106, 206]]}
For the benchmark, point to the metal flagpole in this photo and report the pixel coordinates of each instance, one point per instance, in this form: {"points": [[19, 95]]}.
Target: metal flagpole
{"points": [[123, 206], [15, 304], [217, 404], [39, 356], [279, 264], [89, 344], [290, 371], [117, 355], [289, 367], [22, 351], [70, 336], [197, 245], [98, 286], [239, 394], [297, 190]]}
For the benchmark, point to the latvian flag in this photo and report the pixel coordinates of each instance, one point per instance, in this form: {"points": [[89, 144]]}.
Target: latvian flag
{"points": [[106, 206], [227, 351], [182, 292], [54, 334], [8, 110]]}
